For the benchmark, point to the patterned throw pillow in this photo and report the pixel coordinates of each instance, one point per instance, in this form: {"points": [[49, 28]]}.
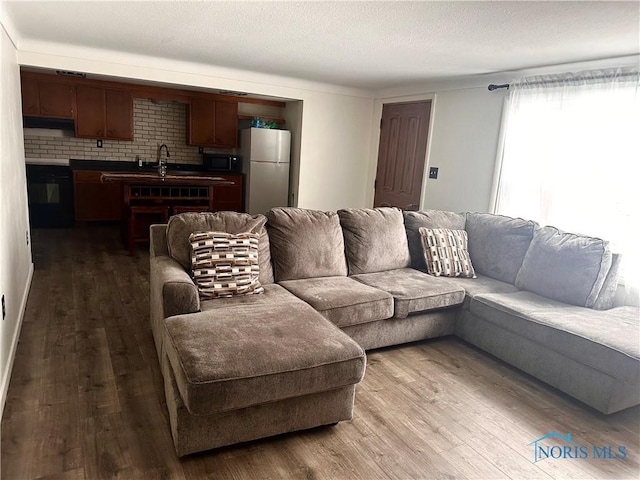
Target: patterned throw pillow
{"points": [[446, 253], [225, 265]]}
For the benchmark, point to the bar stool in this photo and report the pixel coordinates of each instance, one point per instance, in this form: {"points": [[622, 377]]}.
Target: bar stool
{"points": [[140, 217]]}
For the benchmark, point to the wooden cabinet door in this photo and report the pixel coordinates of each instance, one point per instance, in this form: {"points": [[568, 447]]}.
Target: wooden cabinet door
{"points": [[201, 126], [94, 200], [56, 100], [119, 115], [30, 97], [90, 117], [226, 124]]}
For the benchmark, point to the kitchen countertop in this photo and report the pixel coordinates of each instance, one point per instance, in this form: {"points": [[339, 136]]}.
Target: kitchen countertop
{"points": [[132, 166], [152, 178], [63, 162]]}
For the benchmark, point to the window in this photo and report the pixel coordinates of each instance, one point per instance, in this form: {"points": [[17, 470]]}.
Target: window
{"points": [[571, 157]]}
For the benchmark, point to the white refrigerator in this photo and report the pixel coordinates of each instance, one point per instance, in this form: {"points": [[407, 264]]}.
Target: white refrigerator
{"points": [[265, 163]]}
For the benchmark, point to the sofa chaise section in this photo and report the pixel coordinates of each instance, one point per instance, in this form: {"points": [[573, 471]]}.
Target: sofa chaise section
{"points": [[592, 355], [276, 358], [243, 367], [558, 325]]}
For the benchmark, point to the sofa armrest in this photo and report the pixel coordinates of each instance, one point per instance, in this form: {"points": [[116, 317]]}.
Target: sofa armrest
{"points": [[158, 240], [172, 287]]}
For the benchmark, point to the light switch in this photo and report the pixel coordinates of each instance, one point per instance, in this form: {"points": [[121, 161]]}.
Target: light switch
{"points": [[433, 172]]}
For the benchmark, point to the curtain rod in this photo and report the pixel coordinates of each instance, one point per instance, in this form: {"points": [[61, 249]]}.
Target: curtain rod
{"points": [[493, 86]]}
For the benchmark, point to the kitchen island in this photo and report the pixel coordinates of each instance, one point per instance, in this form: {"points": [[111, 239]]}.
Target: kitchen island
{"points": [[138, 196], [179, 190], [151, 198]]}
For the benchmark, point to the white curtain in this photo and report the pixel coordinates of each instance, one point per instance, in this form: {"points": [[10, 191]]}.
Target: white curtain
{"points": [[571, 157]]}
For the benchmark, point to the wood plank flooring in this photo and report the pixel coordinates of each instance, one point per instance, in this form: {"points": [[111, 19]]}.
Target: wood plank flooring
{"points": [[86, 399]]}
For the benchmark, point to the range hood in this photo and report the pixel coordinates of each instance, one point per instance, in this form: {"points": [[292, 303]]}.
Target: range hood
{"points": [[52, 123]]}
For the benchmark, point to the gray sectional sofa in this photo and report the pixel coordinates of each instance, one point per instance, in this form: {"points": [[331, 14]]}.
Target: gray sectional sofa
{"points": [[338, 283]]}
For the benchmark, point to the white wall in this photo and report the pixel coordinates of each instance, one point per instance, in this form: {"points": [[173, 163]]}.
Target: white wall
{"points": [[292, 115], [465, 129], [335, 133], [464, 142], [463, 139], [15, 255]]}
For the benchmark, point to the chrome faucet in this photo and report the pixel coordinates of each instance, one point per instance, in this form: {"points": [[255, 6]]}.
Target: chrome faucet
{"points": [[162, 166]]}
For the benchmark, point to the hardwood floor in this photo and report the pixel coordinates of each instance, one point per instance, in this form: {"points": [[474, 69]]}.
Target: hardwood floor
{"points": [[86, 398]]}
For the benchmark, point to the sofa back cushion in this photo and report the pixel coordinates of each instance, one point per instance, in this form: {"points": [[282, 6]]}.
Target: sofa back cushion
{"points": [[607, 296], [565, 267], [498, 244], [413, 221], [375, 239], [181, 226], [305, 244]]}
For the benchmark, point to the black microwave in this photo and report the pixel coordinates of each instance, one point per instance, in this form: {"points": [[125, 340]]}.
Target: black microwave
{"points": [[221, 163]]}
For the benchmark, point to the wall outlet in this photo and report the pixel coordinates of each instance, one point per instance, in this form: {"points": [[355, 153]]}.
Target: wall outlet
{"points": [[433, 172], [27, 237], [4, 310], [99, 143]]}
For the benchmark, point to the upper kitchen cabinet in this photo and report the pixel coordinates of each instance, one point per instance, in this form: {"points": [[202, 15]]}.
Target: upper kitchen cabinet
{"points": [[104, 113], [212, 123], [47, 99]]}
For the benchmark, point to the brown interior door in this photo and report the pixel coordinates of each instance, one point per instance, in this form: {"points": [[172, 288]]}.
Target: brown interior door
{"points": [[401, 156]]}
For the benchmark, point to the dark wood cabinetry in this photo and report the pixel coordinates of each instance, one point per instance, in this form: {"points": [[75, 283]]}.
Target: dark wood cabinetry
{"points": [[94, 200], [119, 114], [212, 123], [104, 113], [104, 109], [228, 197], [47, 99]]}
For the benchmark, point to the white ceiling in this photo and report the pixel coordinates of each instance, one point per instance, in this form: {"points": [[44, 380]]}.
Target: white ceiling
{"points": [[359, 44]]}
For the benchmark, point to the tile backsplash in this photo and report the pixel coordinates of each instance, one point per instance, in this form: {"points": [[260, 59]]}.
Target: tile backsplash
{"points": [[154, 123]]}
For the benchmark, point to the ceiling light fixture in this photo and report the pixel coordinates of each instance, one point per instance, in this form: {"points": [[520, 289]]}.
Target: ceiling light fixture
{"points": [[231, 92], [69, 73]]}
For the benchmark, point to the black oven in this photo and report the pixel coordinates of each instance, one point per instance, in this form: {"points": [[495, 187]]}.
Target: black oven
{"points": [[222, 163], [50, 193]]}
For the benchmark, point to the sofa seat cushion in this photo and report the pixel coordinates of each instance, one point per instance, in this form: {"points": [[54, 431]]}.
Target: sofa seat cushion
{"points": [[226, 359], [343, 300], [305, 243], [414, 291], [481, 285], [273, 294], [605, 340]]}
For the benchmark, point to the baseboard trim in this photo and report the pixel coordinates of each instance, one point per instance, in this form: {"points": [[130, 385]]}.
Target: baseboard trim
{"points": [[6, 375]]}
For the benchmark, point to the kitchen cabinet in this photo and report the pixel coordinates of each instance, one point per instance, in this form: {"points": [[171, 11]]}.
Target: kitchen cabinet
{"points": [[47, 99], [104, 113], [212, 123], [94, 200], [228, 197]]}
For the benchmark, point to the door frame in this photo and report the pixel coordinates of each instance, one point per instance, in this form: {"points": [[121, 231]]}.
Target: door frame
{"points": [[375, 141]]}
